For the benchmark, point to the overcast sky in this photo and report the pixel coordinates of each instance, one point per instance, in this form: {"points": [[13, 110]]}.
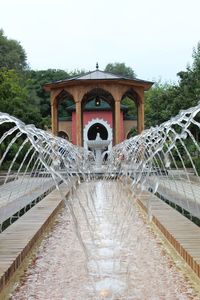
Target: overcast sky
{"points": [[154, 37]]}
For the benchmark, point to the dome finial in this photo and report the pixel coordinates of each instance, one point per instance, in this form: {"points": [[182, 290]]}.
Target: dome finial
{"points": [[97, 66]]}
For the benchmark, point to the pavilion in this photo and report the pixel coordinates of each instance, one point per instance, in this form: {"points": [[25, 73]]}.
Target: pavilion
{"points": [[97, 106]]}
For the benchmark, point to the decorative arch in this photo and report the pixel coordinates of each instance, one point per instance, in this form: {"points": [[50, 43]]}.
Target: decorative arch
{"points": [[135, 96], [63, 94], [63, 135], [132, 94], [130, 133], [91, 123], [102, 92]]}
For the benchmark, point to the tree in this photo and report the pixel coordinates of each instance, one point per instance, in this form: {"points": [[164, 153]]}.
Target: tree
{"points": [[35, 81], [132, 108], [120, 69], [21, 89], [189, 83], [159, 103], [123, 70], [164, 101], [12, 54], [14, 98]]}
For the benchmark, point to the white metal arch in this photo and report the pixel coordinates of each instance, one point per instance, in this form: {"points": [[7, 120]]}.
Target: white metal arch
{"points": [[91, 123]]}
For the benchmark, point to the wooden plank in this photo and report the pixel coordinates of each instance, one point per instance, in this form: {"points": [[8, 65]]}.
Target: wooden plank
{"points": [[180, 231], [17, 194], [17, 240]]}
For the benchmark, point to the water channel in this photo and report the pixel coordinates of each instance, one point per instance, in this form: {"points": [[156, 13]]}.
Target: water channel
{"points": [[101, 248]]}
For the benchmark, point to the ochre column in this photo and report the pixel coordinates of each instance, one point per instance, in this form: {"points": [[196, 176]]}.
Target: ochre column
{"points": [[78, 124], [140, 117], [54, 115], [117, 122]]}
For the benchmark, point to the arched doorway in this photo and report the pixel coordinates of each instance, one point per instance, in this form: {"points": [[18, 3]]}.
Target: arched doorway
{"points": [[63, 135], [97, 128], [131, 119], [94, 126], [97, 103]]}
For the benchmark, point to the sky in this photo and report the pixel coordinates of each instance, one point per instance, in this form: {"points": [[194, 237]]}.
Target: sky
{"points": [[155, 38]]}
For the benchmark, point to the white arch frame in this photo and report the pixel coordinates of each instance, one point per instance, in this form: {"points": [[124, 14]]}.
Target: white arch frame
{"points": [[91, 123]]}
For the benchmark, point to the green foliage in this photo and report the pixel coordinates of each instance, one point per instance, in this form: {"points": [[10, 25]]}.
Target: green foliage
{"points": [[132, 133], [166, 100], [12, 55], [35, 81], [189, 85], [123, 70], [196, 161], [132, 108], [158, 104], [12, 153], [14, 98], [76, 72], [62, 108], [120, 69], [15, 95]]}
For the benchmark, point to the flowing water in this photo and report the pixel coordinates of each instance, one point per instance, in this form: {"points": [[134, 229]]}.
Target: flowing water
{"points": [[119, 258], [166, 155], [100, 247]]}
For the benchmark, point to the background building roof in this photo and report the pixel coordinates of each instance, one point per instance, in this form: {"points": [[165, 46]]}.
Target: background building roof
{"points": [[97, 75]]}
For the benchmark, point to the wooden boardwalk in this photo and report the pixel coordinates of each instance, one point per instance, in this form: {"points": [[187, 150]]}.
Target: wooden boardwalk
{"points": [[16, 194], [181, 192], [17, 240], [179, 231]]}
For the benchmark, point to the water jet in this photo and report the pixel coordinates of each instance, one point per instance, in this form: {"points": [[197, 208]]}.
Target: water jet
{"points": [[100, 243]]}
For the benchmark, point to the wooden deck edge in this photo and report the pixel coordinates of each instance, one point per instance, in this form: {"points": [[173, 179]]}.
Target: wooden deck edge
{"points": [[20, 256], [172, 240]]}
